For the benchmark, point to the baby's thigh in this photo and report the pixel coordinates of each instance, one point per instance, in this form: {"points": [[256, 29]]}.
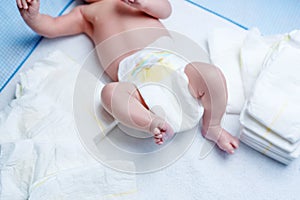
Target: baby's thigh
{"points": [[192, 74], [120, 91]]}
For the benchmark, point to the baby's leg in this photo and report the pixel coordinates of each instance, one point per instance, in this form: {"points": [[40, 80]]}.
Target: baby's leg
{"points": [[123, 101], [207, 83]]}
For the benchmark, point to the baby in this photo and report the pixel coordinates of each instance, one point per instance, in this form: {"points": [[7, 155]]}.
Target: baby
{"points": [[138, 20]]}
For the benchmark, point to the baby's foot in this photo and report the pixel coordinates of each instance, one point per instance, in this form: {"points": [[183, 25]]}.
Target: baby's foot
{"points": [[227, 142], [161, 130], [224, 140]]}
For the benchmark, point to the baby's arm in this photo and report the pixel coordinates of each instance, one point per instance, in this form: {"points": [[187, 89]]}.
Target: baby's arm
{"points": [[159, 9], [91, 1], [45, 25]]}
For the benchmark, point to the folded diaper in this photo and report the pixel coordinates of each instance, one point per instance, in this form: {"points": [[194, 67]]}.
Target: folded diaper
{"points": [[275, 99], [295, 38], [255, 51], [265, 148], [266, 134], [87, 182], [268, 148], [224, 49], [160, 78]]}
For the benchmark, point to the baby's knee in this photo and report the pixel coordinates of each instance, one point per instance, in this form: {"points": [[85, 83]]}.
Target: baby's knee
{"points": [[215, 74], [204, 71]]}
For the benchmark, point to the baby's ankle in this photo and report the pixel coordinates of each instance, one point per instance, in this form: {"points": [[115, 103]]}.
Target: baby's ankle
{"points": [[213, 132]]}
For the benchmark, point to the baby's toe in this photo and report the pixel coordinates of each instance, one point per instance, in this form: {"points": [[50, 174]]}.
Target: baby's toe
{"points": [[229, 148], [235, 143], [160, 142], [226, 146], [156, 131], [158, 136]]}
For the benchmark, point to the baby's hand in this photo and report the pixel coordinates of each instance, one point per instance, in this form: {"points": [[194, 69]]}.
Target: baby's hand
{"points": [[139, 4], [28, 8]]}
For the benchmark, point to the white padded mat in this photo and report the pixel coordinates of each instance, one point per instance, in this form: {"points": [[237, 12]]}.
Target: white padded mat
{"points": [[245, 175]]}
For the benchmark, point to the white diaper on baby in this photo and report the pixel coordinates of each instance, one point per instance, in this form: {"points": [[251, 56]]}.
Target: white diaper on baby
{"points": [[160, 78]]}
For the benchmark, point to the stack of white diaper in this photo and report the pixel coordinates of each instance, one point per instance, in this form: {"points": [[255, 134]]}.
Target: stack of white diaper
{"points": [[270, 70], [262, 75]]}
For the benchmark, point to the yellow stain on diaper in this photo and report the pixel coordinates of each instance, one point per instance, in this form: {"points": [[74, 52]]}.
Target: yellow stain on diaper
{"points": [[265, 151], [120, 194], [268, 129], [153, 67], [155, 73], [99, 123], [275, 47], [287, 38], [241, 61], [275, 118], [38, 184]]}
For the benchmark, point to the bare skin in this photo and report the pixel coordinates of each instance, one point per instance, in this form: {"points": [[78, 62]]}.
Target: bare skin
{"points": [[138, 21]]}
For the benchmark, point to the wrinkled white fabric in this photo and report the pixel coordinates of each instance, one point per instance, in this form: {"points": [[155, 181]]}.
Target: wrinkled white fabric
{"points": [[41, 154]]}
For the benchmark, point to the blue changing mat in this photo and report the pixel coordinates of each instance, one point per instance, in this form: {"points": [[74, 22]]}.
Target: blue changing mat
{"points": [[270, 16], [17, 41]]}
